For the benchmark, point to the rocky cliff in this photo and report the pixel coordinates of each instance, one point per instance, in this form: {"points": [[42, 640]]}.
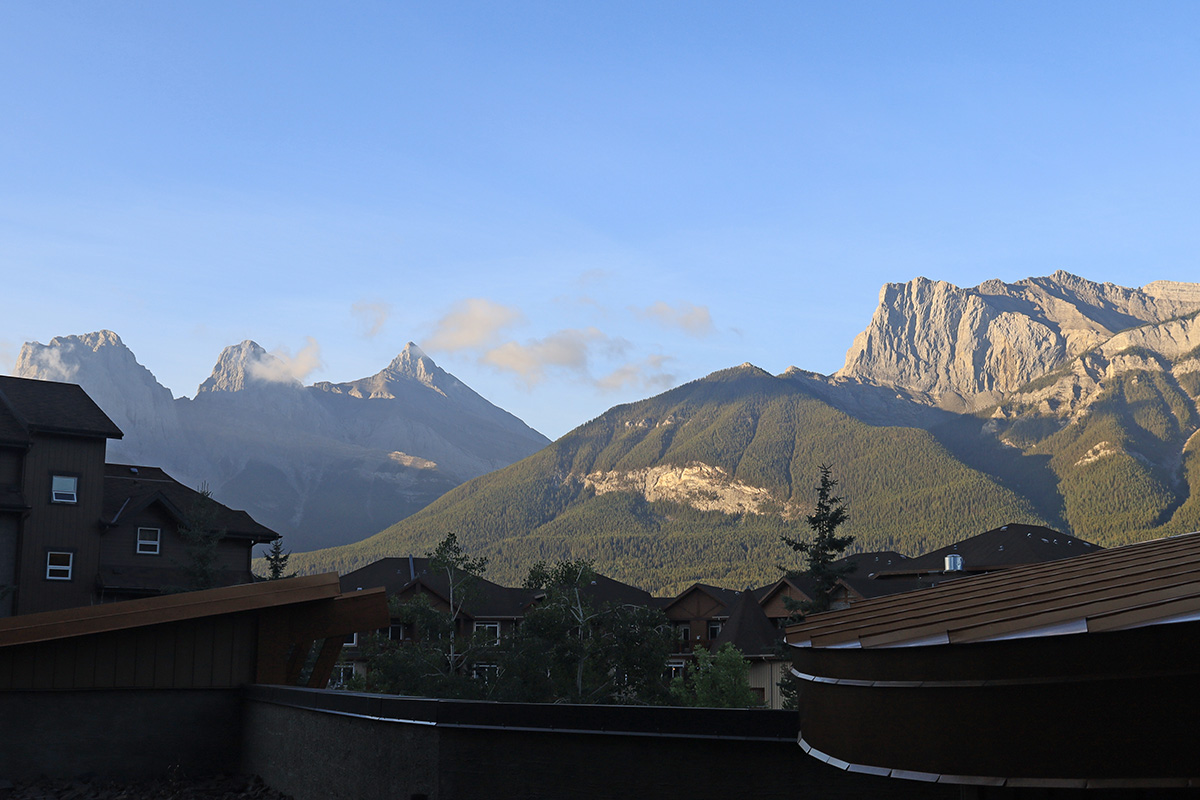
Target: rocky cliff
{"points": [[967, 348]]}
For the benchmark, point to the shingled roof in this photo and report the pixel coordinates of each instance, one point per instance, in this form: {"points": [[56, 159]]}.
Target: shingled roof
{"points": [[397, 575], [128, 489], [749, 629], [34, 406], [1000, 548]]}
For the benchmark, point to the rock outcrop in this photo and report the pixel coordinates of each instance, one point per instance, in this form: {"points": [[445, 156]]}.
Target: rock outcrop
{"points": [[968, 348]]}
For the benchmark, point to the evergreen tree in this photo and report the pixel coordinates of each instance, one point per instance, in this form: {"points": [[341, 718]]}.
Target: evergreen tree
{"points": [[825, 547], [199, 531], [277, 561]]}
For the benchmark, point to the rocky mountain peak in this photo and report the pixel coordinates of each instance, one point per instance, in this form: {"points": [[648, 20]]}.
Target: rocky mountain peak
{"points": [[246, 365], [967, 347], [412, 362]]}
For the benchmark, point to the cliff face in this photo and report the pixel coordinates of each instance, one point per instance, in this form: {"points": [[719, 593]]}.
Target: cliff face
{"points": [[325, 464], [968, 348]]}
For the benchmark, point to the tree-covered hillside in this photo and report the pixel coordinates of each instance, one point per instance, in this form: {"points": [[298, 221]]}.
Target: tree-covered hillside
{"points": [[580, 496]]}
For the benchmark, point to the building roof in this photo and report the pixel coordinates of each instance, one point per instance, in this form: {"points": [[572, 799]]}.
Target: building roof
{"points": [[1000, 548], [397, 575], [1149, 583], [723, 596], [34, 406], [749, 629], [129, 489], [50, 625]]}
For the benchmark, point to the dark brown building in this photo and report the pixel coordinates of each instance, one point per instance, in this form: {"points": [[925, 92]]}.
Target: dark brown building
{"points": [[75, 531]]}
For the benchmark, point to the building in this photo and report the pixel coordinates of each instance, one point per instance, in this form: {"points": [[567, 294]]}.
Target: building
{"points": [[75, 531], [1079, 674]]}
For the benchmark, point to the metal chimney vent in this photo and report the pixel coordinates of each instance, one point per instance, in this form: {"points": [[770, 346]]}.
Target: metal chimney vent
{"points": [[954, 563]]}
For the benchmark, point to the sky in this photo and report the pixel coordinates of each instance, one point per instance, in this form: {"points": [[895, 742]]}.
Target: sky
{"points": [[572, 205]]}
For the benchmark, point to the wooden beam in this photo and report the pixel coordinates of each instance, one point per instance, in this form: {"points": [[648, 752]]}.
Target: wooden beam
{"points": [[326, 661]]}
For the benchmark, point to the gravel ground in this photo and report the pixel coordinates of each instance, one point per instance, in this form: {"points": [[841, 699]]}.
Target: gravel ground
{"points": [[216, 787]]}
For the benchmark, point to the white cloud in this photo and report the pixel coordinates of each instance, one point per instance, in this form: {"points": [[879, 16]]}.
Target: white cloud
{"points": [[280, 366], [472, 324], [567, 349], [372, 315], [645, 374], [50, 366], [692, 319]]}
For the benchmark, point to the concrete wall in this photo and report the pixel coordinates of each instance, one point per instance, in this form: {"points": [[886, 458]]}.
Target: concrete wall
{"points": [[314, 744], [120, 733]]}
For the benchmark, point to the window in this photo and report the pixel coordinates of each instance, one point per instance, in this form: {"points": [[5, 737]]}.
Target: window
{"points": [[489, 629], [485, 672], [341, 675], [63, 489], [400, 632], [148, 541], [714, 630], [58, 565], [684, 632]]}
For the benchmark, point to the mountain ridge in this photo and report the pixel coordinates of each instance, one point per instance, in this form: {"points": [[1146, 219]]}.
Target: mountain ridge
{"points": [[699, 482], [322, 464]]}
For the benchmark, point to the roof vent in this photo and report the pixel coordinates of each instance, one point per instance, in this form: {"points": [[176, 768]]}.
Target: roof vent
{"points": [[133, 470], [954, 563]]}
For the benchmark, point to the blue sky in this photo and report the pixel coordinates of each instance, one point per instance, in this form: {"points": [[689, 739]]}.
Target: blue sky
{"points": [[573, 205]]}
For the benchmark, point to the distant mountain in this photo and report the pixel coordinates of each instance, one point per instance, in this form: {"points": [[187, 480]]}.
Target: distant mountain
{"points": [[1053, 400], [325, 464]]}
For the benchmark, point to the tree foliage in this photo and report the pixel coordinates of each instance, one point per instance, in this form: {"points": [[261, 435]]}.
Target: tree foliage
{"points": [[570, 648], [715, 680], [826, 546], [201, 536], [277, 561]]}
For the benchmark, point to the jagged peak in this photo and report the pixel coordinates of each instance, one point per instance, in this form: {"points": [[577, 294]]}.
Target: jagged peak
{"points": [[247, 364]]}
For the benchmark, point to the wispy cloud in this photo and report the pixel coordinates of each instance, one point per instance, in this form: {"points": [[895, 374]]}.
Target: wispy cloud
{"points": [[50, 366], [280, 366], [646, 374], [692, 319], [568, 350], [372, 315], [472, 324]]}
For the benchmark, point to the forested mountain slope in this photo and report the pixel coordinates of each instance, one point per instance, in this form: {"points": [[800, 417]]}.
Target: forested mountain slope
{"points": [[699, 483], [1052, 400]]}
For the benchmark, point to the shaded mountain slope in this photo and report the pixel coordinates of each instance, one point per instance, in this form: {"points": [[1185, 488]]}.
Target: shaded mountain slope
{"points": [[324, 464]]}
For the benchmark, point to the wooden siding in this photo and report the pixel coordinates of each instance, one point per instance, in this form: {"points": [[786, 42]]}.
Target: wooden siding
{"points": [[74, 527], [118, 546], [207, 653]]}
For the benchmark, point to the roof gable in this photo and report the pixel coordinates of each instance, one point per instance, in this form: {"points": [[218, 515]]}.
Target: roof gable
{"points": [[49, 407]]}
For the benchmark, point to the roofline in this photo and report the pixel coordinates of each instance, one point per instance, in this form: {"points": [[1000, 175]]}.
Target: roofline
{"points": [[49, 625]]}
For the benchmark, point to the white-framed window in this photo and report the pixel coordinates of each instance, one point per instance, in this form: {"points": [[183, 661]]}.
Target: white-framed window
{"points": [[684, 632], [148, 541], [400, 632], [714, 630], [59, 564], [485, 672], [489, 629], [342, 673], [64, 489]]}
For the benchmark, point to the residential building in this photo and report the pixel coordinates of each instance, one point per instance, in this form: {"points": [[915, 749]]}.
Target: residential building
{"points": [[75, 531]]}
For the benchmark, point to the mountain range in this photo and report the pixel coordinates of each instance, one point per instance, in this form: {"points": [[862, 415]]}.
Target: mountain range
{"points": [[1053, 400], [325, 464]]}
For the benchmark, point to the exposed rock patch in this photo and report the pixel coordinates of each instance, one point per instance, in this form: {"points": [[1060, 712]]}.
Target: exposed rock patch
{"points": [[701, 486]]}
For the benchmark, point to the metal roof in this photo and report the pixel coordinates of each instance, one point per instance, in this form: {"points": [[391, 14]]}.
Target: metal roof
{"points": [[1142, 584]]}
